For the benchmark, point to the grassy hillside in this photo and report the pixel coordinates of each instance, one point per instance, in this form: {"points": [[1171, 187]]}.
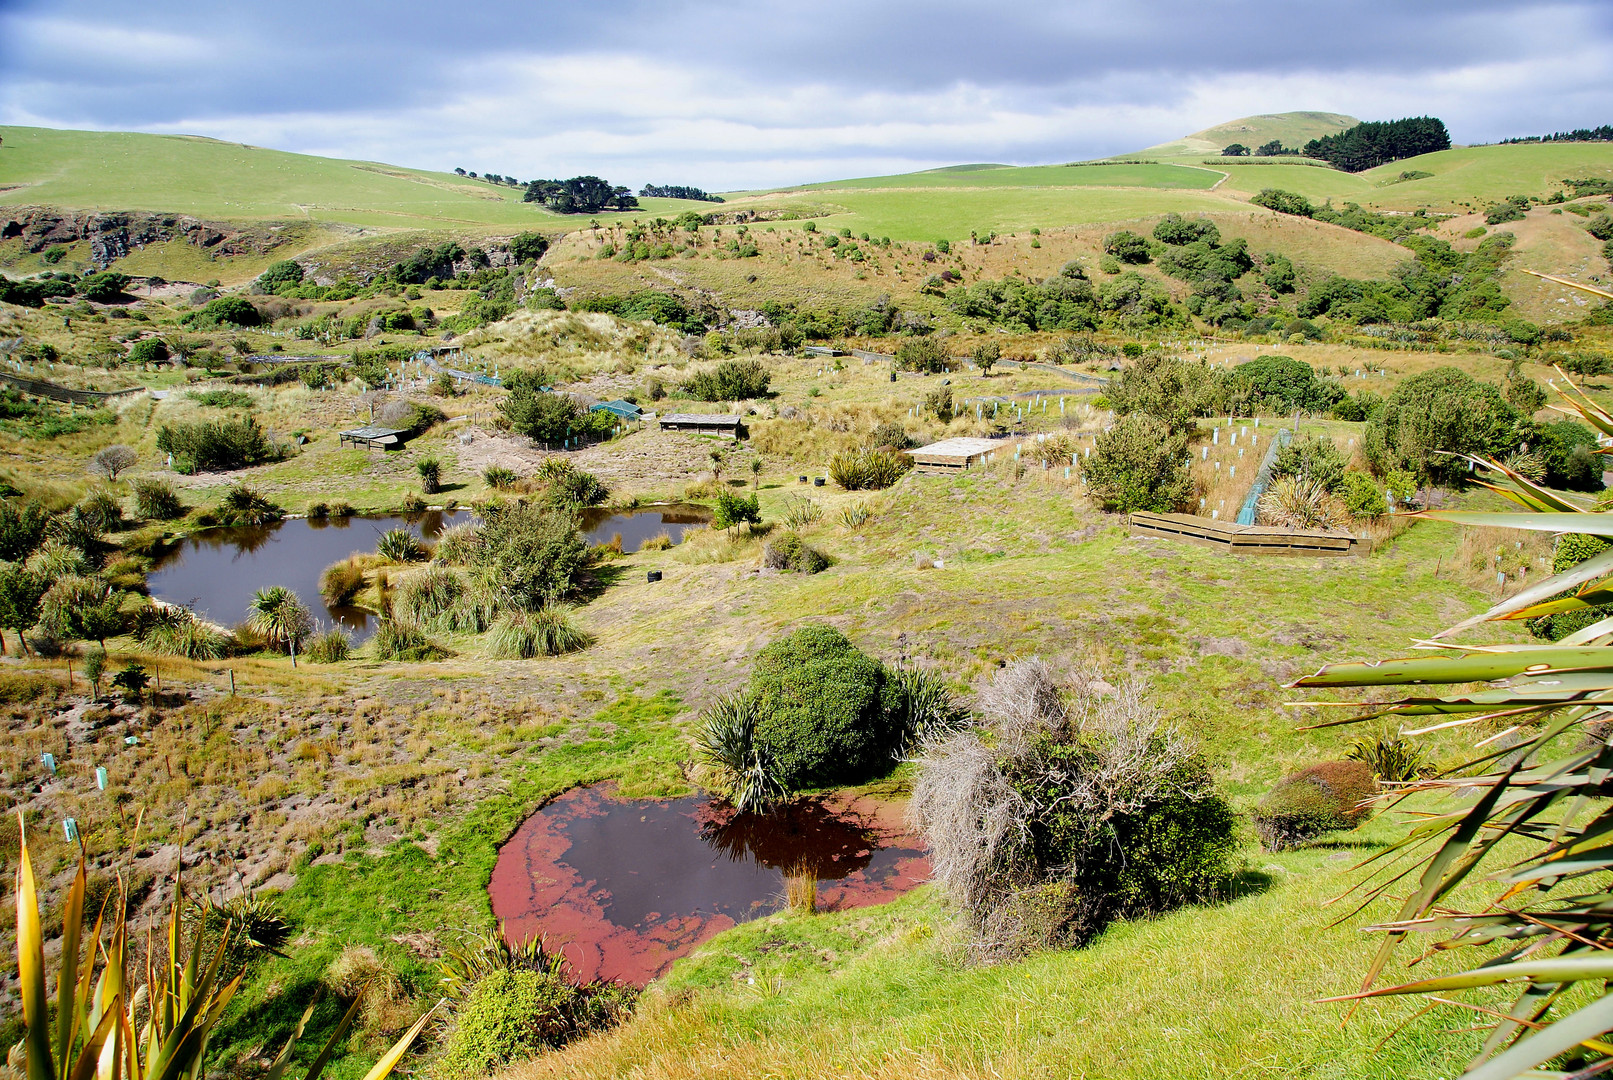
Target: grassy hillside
{"points": [[1293, 129], [94, 170], [1475, 176], [973, 176]]}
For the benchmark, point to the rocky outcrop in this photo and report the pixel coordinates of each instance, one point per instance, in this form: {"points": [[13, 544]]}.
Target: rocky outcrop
{"points": [[114, 235]]}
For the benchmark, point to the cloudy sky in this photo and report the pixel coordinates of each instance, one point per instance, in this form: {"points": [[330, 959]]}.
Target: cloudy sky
{"points": [[730, 95]]}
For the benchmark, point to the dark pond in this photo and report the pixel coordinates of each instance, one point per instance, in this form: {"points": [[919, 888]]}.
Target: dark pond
{"points": [[216, 571], [637, 526], [623, 887]]}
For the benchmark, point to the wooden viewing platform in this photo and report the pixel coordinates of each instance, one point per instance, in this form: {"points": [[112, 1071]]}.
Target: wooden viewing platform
{"points": [[1244, 539]]}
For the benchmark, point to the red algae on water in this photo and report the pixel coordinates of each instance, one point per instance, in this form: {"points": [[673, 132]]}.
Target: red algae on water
{"points": [[623, 887]]}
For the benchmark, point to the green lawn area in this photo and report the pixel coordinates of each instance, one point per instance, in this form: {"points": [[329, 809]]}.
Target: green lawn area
{"points": [[1155, 176], [92, 170], [1482, 175]]}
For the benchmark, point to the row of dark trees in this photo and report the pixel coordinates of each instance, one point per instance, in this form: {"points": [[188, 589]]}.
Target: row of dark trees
{"points": [[676, 191], [1274, 148], [580, 195], [1595, 134], [1374, 143]]}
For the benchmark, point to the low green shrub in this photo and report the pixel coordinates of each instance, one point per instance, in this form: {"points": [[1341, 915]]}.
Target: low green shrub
{"points": [[1068, 813], [732, 511], [1392, 758], [1317, 458], [820, 708], [1313, 801], [922, 354], [222, 399], [567, 486], [511, 1014], [217, 445], [731, 380], [789, 552]]}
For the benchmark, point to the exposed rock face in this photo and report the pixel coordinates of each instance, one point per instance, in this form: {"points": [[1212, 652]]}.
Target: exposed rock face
{"points": [[114, 235]]}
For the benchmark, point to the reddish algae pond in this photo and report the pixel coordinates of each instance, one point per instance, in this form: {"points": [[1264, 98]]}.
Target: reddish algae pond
{"points": [[623, 887]]}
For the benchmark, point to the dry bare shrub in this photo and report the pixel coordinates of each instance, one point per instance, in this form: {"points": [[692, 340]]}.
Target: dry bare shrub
{"points": [[1065, 812]]}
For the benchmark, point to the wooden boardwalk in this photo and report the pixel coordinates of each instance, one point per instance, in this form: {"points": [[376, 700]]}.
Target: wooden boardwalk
{"points": [[1245, 539]]}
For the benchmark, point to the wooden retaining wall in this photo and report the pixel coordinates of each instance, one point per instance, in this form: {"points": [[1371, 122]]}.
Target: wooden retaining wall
{"points": [[1244, 539], [41, 388]]}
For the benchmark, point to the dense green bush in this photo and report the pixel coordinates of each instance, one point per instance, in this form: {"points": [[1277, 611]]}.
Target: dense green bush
{"points": [[1362, 496], [148, 351], [1172, 390], [217, 445], [1316, 458], [1281, 385], [1435, 414], [1313, 801], [1127, 246], [789, 551], [1571, 549], [22, 529], [104, 288], [1569, 451], [922, 354], [821, 713], [1357, 407], [286, 272], [1139, 464], [731, 380], [536, 413], [528, 556], [225, 311]]}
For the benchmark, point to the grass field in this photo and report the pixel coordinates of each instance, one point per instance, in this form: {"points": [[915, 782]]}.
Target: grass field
{"points": [[1476, 176], [1292, 129], [1096, 175], [88, 170]]}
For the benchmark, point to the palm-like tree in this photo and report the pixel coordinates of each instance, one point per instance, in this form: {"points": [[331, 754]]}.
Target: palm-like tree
{"points": [[280, 617]]}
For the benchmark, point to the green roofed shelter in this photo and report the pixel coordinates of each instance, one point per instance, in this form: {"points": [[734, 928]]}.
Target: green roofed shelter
{"points": [[620, 407]]}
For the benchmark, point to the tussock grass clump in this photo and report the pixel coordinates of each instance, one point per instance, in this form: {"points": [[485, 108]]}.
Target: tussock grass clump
{"points": [[855, 516], [171, 630], [156, 500], [428, 598], [524, 635], [1299, 502], [869, 469], [341, 581], [801, 888], [398, 640], [242, 505], [330, 646], [401, 546], [661, 541], [499, 478], [566, 485], [456, 544]]}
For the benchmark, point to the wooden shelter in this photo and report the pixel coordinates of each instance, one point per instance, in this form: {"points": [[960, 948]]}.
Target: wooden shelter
{"points": [[704, 423], [372, 437], [954, 455]]}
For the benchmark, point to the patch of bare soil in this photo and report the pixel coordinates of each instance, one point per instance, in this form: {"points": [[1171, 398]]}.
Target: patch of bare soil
{"points": [[650, 457]]}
